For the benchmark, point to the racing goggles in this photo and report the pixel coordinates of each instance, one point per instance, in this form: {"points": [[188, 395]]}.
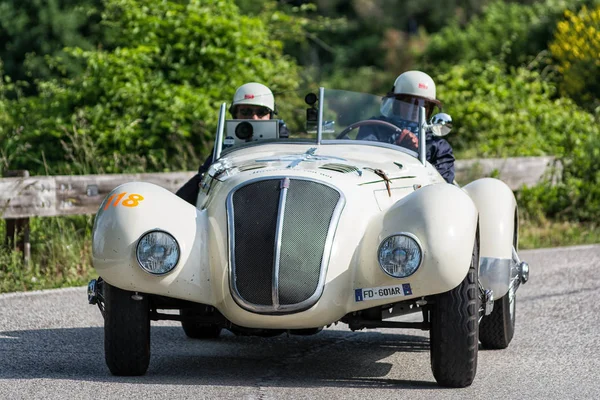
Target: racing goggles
{"points": [[246, 111]]}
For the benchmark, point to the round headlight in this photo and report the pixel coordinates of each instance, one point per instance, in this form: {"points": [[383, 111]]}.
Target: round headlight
{"points": [[400, 255], [157, 252]]}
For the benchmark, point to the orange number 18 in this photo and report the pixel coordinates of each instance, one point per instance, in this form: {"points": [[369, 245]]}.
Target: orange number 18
{"points": [[133, 200]]}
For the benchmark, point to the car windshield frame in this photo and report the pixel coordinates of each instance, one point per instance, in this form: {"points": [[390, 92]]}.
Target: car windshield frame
{"points": [[339, 110]]}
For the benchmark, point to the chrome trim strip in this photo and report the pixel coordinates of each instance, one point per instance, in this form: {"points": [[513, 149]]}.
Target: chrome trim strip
{"points": [[495, 274], [514, 271], [320, 124], [284, 186], [220, 130], [337, 212]]}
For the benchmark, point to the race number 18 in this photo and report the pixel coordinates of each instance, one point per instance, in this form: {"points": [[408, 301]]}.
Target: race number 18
{"points": [[133, 200]]}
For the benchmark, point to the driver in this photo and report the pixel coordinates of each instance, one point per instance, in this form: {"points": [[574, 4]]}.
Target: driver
{"points": [[413, 89], [250, 101]]}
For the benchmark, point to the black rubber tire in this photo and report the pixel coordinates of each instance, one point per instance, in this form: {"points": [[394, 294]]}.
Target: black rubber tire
{"points": [[497, 329], [454, 330], [126, 332], [196, 330]]}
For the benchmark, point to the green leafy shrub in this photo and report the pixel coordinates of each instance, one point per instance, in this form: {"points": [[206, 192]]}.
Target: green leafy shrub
{"points": [[154, 99], [572, 191], [31, 30], [506, 114], [512, 32]]}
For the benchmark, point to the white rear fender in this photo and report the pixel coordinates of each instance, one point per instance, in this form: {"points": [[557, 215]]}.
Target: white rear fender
{"points": [[130, 211], [497, 223], [444, 220]]}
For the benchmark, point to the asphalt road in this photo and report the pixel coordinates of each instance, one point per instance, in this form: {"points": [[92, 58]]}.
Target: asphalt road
{"points": [[51, 346]]}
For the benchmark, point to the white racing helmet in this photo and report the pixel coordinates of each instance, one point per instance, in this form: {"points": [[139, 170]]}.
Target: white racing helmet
{"points": [[414, 88], [255, 94]]}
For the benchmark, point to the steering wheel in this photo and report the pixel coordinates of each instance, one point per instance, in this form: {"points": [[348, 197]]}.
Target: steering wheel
{"points": [[372, 122]]}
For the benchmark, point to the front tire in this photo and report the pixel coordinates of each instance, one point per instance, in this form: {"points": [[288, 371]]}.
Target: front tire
{"points": [[454, 330], [126, 332], [497, 329]]}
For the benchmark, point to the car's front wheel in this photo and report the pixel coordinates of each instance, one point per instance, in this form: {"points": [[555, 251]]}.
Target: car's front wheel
{"points": [[454, 330], [126, 331]]}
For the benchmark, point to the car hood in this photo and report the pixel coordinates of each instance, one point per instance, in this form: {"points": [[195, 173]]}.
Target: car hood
{"points": [[357, 163]]}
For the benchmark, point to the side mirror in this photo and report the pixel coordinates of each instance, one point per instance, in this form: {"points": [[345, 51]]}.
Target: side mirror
{"points": [[441, 124]]}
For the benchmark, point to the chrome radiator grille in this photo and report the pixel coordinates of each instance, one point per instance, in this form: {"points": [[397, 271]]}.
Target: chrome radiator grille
{"points": [[280, 237]]}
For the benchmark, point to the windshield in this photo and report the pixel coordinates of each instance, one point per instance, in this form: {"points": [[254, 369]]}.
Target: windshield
{"points": [[343, 116], [370, 118]]}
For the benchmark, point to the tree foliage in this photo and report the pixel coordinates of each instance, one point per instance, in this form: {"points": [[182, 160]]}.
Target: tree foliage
{"points": [[33, 29], [345, 35], [572, 191], [500, 113], [507, 112], [154, 98], [505, 105], [576, 47], [515, 33]]}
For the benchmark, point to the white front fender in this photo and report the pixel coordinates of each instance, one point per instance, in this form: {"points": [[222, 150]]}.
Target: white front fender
{"points": [[135, 208], [444, 220]]}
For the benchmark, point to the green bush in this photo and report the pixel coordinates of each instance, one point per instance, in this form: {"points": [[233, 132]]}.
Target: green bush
{"points": [[506, 114], [155, 98], [572, 191], [30, 30], [512, 32]]}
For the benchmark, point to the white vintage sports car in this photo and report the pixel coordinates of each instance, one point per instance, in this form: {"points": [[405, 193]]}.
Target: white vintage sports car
{"points": [[295, 234]]}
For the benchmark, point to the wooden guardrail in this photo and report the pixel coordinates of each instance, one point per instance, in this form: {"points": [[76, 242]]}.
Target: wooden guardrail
{"points": [[47, 196], [516, 172], [23, 196]]}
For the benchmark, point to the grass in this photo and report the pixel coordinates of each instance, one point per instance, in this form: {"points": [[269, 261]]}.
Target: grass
{"points": [[61, 250], [60, 255], [555, 234]]}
